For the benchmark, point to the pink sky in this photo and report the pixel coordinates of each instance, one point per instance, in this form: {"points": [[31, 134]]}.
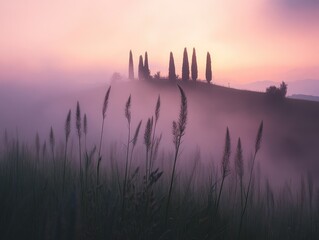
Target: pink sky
{"points": [[249, 40]]}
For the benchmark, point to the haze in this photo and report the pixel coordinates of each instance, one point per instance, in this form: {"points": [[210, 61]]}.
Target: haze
{"points": [[249, 40]]}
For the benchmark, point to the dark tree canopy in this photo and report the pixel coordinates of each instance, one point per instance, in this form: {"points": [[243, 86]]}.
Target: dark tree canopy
{"points": [[283, 89], [194, 66], [208, 68], [277, 93], [131, 67], [146, 67], [171, 68], [185, 67], [140, 68]]}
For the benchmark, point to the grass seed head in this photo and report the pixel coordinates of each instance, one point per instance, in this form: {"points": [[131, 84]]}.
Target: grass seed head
{"points": [[52, 138], [182, 121], [68, 125], [128, 110], [78, 119], [239, 163], [259, 137], [105, 102], [226, 156], [147, 134], [157, 108], [85, 124]]}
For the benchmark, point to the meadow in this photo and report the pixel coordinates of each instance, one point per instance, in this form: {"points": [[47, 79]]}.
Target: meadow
{"points": [[142, 189]]}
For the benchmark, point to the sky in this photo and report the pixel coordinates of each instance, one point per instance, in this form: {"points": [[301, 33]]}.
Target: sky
{"points": [[248, 40]]}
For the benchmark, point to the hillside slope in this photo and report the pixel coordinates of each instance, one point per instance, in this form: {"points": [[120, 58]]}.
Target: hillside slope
{"points": [[291, 129]]}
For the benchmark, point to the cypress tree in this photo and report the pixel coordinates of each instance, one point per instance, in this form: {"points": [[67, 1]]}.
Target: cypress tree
{"points": [[171, 68], [185, 67], [131, 67], [194, 66], [146, 68], [208, 68], [140, 68]]}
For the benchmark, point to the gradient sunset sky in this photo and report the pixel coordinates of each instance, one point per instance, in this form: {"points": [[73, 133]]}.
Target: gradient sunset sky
{"points": [[249, 40]]}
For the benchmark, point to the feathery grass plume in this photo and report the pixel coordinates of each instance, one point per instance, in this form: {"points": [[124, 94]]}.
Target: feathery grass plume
{"points": [[68, 126], [85, 124], [78, 124], [182, 121], [225, 162], [85, 129], [37, 145], [259, 137], [147, 142], [239, 168], [128, 118], [128, 110], [67, 135], [257, 147], [157, 108], [147, 133], [52, 141], [239, 163], [104, 108], [106, 102], [178, 131], [225, 166]]}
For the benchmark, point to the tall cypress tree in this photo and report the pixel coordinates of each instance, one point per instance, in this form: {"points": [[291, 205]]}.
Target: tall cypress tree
{"points": [[131, 67], [185, 67], [208, 68], [140, 68], [146, 68], [194, 66], [171, 68]]}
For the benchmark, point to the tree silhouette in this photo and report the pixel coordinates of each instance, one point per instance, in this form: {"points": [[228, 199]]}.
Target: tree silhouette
{"points": [[140, 68], [276, 93], [283, 89], [194, 66], [171, 68], [131, 67], [146, 67], [185, 67], [208, 68]]}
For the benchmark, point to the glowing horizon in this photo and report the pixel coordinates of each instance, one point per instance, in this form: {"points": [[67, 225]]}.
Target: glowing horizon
{"points": [[248, 41]]}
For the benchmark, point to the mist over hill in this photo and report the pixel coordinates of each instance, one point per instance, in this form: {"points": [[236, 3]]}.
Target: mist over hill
{"points": [[291, 126]]}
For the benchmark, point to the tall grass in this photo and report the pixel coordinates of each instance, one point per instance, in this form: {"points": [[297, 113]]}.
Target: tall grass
{"points": [[53, 202], [67, 130], [104, 108], [178, 131]]}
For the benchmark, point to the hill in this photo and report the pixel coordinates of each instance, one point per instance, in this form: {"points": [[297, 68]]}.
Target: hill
{"points": [[291, 126]]}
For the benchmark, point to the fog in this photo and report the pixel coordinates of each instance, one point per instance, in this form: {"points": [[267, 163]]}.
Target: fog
{"points": [[289, 146]]}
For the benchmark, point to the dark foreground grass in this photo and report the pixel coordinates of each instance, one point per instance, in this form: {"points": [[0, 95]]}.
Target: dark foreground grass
{"points": [[47, 195]]}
